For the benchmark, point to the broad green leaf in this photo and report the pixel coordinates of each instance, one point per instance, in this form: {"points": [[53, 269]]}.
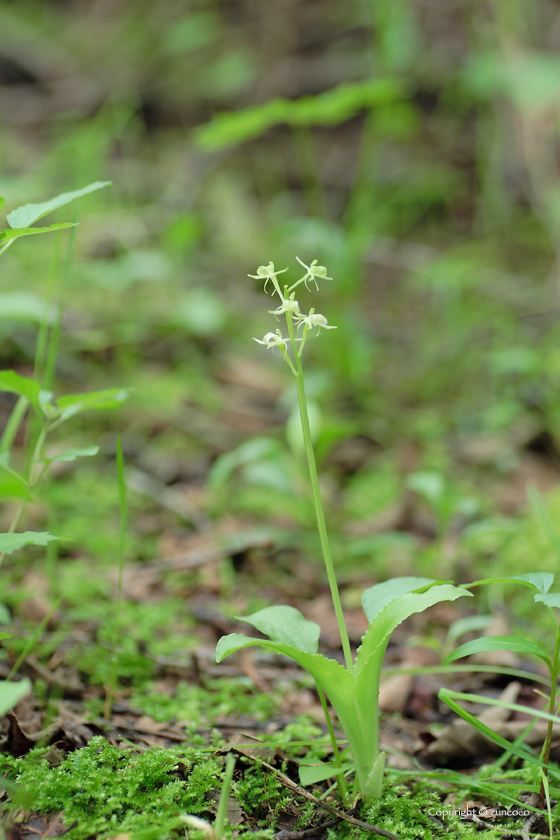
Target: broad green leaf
{"points": [[513, 643], [11, 542], [24, 306], [11, 693], [377, 597], [310, 774], [72, 454], [383, 624], [22, 385], [2, 202], [286, 625], [71, 405], [5, 617], [329, 108], [249, 452], [540, 580], [360, 723], [551, 599], [29, 213], [429, 485], [7, 234], [12, 486]]}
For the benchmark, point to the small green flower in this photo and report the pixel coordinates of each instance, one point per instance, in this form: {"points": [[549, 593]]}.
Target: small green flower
{"points": [[272, 339], [312, 272], [268, 272], [288, 305], [314, 319]]}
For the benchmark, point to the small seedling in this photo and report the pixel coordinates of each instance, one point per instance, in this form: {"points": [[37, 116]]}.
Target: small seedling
{"points": [[352, 689]]}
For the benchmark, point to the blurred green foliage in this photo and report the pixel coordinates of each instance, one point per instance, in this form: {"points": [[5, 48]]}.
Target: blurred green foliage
{"points": [[411, 147]]}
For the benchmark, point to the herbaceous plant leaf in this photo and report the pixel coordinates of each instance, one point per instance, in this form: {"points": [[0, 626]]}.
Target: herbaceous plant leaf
{"points": [[513, 643], [11, 542], [396, 612], [29, 213], [5, 235], [21, 385], [72, 454], [377, 597], [76, 403], [11, 693], [551, 599], [286, 625]]}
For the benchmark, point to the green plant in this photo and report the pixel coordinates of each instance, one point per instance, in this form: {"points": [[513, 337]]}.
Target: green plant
{"points": [[540, 582], [47, 413], [352, 689]]}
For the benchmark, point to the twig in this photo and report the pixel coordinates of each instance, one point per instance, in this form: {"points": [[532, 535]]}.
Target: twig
{"points": [[302, 792]]}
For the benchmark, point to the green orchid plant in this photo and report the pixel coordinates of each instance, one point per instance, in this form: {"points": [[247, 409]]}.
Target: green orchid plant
{"points": [[352, 688]]}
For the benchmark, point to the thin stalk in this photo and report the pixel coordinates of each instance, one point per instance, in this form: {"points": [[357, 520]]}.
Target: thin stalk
{"points": [[551, 707], [52, 349], [313, 190], [13, 424], [224, 798], [317, 502], [43, 333], [340, 780], [110, 693], [31, 484]]}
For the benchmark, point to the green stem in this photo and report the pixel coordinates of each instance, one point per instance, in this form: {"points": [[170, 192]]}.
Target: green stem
{"points": [[224, 797], [13, 424], [340, 780], [30, 483], [317, 502], [551, 706]]}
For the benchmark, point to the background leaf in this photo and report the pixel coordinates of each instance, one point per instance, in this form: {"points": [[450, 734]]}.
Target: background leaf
{"points": [[513, 643], [11, 693], [11, 542], [15, 384], [71, 405], [24, 216], [72, 454]]}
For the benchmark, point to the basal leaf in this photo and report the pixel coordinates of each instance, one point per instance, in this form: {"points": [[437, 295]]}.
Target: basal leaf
{"points": [[11, 693], [11, 542], [71, 405], [22, 385], [383, 624], [377, 597], [29, 213], [513, 643], [72, 454], [286, 625], [5, 235]]}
